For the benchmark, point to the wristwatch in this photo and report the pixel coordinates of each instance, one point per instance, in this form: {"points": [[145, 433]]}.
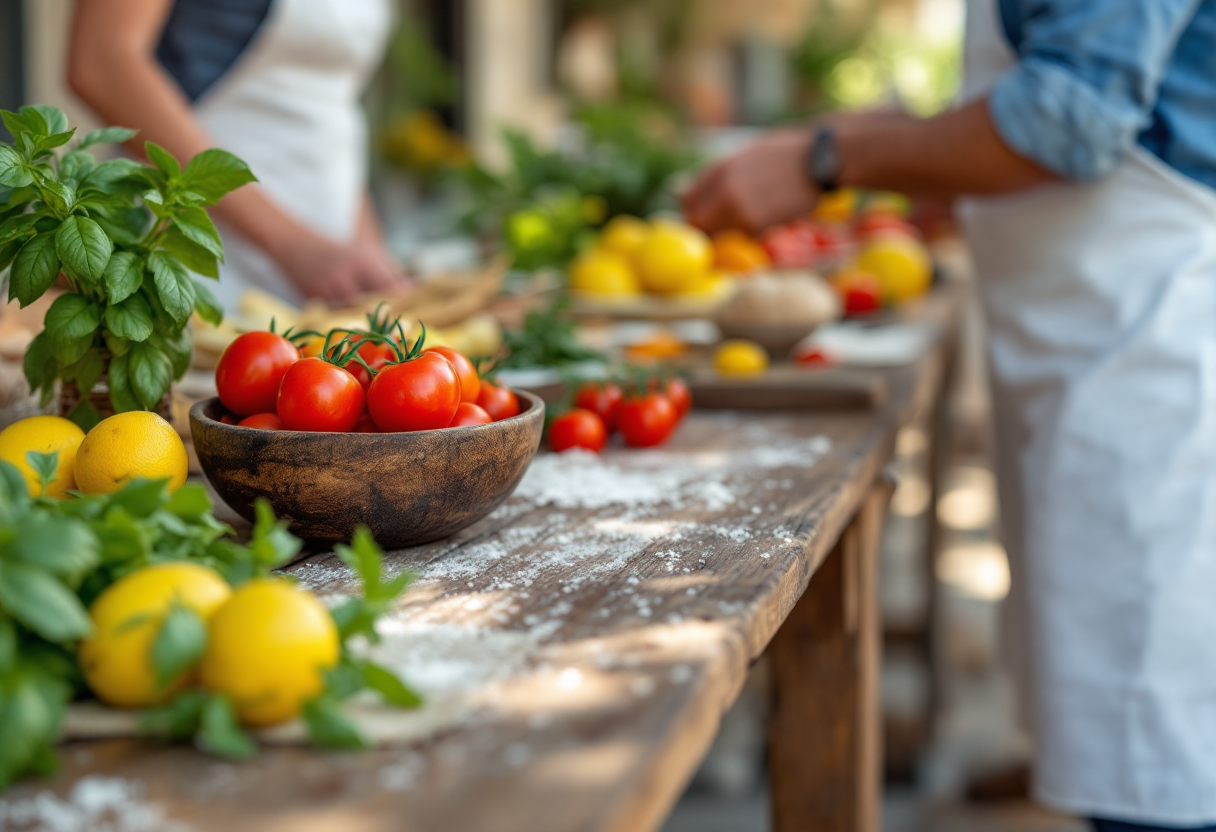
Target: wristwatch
{"points": [[823, 160]]}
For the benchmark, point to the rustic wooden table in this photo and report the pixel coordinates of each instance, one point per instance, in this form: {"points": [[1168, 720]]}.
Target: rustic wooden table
{"points": [[630, 595]]}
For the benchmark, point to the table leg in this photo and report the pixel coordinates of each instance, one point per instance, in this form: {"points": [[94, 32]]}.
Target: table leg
{"points": [[825, 754]]}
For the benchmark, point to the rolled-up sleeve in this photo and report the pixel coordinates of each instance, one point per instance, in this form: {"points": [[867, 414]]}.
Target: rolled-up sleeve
{"points": [[1086, 80]]}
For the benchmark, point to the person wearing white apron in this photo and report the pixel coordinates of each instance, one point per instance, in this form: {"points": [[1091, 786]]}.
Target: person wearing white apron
{"points": [[1090, 134], [276, 82]]}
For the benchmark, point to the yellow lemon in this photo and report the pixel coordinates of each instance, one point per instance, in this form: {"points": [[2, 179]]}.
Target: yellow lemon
{"points": [[267, 648], [739, 357], [602, 272], [117, 659], [901, 265], [836, 206], [43, 434], [130, 445], [624, 234], [713, 284], [673, 258]]}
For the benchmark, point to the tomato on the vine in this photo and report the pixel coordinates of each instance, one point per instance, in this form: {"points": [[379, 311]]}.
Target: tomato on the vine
{"points": [[318, 395], [578, 428], [470, 382], [469, 414], [375, 354], [498, 401], [602, 399], [647, 420], [421, 393], [250, 371], [267, 421]]}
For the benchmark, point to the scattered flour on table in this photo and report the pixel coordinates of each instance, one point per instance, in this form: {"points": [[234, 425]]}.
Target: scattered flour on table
{"points": [[96, 804]]}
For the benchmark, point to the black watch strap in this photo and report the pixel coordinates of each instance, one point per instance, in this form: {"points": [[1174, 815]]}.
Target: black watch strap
{"points": [[823, 160]]}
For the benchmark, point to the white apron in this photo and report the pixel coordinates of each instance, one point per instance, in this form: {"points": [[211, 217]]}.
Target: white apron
{"points": [[290, 108], [1101, 307]]}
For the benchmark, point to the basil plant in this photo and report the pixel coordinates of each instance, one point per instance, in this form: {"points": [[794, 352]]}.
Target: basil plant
{"points": [[126, 237]]}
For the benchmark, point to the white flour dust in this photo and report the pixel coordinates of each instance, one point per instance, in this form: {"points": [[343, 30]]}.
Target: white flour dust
{"points": [[96, 804]]}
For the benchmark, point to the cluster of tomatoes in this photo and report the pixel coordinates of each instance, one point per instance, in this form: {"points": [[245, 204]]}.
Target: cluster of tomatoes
{"points": [[645, 411], [365, 381]]}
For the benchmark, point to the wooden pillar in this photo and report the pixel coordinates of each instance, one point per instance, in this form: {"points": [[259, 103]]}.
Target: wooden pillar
{"points": [[825, 754]]}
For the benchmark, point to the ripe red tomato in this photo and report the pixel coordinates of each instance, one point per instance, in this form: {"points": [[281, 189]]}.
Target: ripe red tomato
{"points": [[679, 395], [469, 414], [366, 425], [376, 354], [420, 394], [317, 395], [647, 420], [811, 356], [267, 421], [883, 222], [860, 292], [227, 419], [470, 382], [604, 400], [498, 401], [250, 371], [578, 428]]}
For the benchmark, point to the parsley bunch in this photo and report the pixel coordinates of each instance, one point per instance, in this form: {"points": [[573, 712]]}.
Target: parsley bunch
{"points": [[126, 236]]}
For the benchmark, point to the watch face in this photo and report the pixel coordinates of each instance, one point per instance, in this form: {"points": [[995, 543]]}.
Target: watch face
{"points": [[825, 160]]}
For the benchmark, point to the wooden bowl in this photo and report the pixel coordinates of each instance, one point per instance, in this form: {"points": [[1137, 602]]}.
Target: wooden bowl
{"points": [[408, 488]]}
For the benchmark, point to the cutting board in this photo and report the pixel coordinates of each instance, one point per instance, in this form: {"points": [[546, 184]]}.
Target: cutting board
{"points": [[791, 388]]}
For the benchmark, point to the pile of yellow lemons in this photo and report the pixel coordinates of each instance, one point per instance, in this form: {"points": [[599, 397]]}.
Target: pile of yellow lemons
{"points": [[662, 257], [118, 449]]}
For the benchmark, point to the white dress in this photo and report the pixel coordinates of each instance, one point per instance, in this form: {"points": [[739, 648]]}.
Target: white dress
{"points": [[290, 108], [1101, 308]]}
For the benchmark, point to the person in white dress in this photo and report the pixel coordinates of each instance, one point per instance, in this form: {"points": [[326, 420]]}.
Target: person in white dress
{"points": [[1087, 146], [277, 82]]}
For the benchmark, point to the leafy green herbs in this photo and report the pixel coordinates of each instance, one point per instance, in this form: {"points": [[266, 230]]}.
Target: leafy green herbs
{"points": [[127, 237], [547, 339]]}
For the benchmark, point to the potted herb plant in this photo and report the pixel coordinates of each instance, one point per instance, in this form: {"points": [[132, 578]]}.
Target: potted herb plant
{"points": [[126, 238]]}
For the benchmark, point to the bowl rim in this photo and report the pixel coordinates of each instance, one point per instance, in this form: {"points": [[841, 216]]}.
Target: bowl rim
{"points": [[535, 402]]}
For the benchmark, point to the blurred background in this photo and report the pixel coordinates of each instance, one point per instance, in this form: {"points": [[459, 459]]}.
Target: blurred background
{"points": [[522, 126]]}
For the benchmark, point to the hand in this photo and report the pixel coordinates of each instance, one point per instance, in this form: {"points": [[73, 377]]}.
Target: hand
{"points": [[763, 185], [341, 272]]}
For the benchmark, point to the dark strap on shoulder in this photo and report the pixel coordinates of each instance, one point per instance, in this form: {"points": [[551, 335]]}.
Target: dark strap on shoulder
{"points": [[202, 39]]}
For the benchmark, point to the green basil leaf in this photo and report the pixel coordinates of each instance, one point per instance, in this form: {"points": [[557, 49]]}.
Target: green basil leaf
{"points": [[83, 247], [221, 734], [18, 227], [193, 256], [173, 285], [41, 602], [119, 382], [111, 176], [46, 465], [152, 197], [13, 488], [75, 166], [163, 159], [55, 140], [17, 123], [116, 344], [141, 498], [131, 318], [179, 643], [124, 226], [344, 679], [213, 173], [87, 371], [178, 347], [328, 727], [63, 546], [107, 135], [179, 719], [198, 228], [13, 171], [391, 689], [8, 253], [53, 119], [364, 557], [29, 720], [34, 269], [189, 502], [123, 275], [70, 324], [123, 539], [271, 545], [207, 307], [151, 373], [60, 196], [39, 364]]}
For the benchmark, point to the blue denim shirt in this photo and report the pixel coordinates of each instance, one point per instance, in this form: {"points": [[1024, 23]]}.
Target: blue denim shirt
{"points": [[1095, 77]]}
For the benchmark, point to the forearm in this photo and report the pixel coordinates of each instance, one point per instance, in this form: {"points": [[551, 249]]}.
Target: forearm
{"points": [[953, 154], [369, 229]]}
